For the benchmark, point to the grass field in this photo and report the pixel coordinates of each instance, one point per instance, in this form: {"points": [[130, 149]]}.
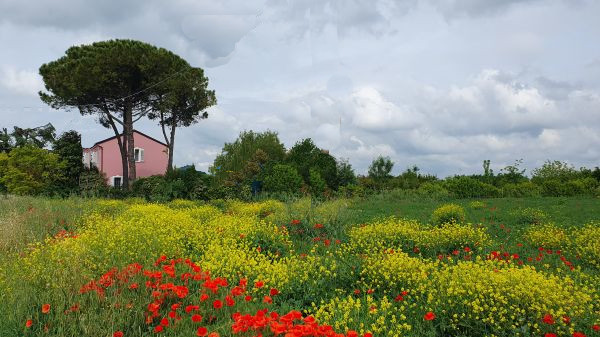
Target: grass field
{"points": [[380, 266]]}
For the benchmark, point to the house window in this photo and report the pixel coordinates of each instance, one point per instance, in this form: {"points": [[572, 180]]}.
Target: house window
{"points": [[117, 181], [138, 154]]}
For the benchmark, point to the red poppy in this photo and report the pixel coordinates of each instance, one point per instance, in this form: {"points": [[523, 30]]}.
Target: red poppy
{"points": [[550, 334], [429, 316], [596, 327], [158, 328], [196, 318], [467, 249], [213, 334], [259, 284], [578, 334], [399, 298], [356, 291], [248, 298], [203, 297], [201, 332], [268, 299], [455, 252], [370, 291], [229, 301], [295, 222], [368, 334], [217, 304], [548, 319], [29, 323], [118, 334], [45, 308], [273, 292], [566, 319], [164, 322], [352, 333]]}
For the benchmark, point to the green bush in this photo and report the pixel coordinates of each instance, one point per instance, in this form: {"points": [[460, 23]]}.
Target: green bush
{"points": [[466, 187], [522, 189], [30, 170], [531, 216], [448, 213], [282, 178], [433, 190], [317, 184]]}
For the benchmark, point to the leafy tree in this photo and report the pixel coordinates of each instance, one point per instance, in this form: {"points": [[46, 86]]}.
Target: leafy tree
{"points": [[31, 170], [6, 143], [380, 168], [69, 150], [233, 160], [283, 178], [116, 80], [182, 101], [556, 169], [346, 175], [317, 184], [305, 155]]}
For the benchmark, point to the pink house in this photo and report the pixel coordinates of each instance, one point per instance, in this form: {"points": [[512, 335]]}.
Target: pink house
{"points": [[151, 157]]}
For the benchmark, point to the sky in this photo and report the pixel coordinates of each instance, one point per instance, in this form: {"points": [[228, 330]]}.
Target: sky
{"points": [[441, 84]]}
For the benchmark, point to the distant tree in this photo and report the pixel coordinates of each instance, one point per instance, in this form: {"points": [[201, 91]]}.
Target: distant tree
{"points": [[6, 143], [556, 170], [346, 175], [234, 157], [115, 80], [381, 168], [487, 172], [31, 170], [69, 150], [282, 178], [317, 184], [305, 155], [512, 174], [182, 101]]}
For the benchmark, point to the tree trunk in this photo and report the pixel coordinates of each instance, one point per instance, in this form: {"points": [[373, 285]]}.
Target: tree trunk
{"points": [[171, 147], [128, 130], [122, 142]]}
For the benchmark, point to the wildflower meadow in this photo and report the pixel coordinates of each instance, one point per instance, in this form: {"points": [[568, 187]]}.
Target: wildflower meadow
{"points": [[377, 266]]}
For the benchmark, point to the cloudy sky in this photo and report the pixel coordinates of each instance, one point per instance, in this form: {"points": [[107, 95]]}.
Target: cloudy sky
{"points": [[442, 84]]}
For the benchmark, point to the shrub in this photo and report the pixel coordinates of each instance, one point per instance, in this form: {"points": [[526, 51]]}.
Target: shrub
{"points": [[530, 216], [522, 189], [448, 213], [433, 190], [466, 187], [282, 178], [477, 204], [408, 234], [548, 236], [587, 243], [317, 184], [30, 170]]}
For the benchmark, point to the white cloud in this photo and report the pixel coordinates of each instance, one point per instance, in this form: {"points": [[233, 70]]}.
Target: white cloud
{"points": [[21, 82]]}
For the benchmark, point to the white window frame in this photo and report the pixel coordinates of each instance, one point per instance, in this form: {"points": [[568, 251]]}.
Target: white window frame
{"points": [[140, 158], [112, 180]]}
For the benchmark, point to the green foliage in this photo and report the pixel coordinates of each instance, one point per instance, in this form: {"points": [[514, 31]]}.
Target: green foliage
{"points": [[234, 158], [317, 184], [531, 216], [99, 79], [305, 155], [69, 150], [346, 175], [466, 187], [380, 168], [434, 190], [92, 183], [448, 213], [522, 189], [555, 170], [30, 170], [282, 178]]}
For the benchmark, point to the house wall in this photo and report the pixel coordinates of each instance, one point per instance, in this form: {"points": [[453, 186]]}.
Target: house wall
{"points": [[109, 157]]}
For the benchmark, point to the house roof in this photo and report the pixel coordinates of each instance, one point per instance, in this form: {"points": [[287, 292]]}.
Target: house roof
{"points": [[141, 133]]}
